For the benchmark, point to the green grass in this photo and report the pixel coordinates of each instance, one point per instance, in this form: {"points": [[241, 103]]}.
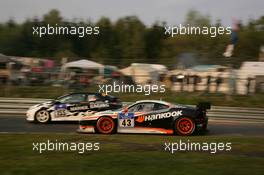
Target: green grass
{"points": [[129, 154], [256, 100]]}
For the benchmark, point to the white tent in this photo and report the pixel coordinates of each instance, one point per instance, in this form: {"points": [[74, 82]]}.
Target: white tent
{"points": [[127, 71], [84, 64], [143, 73], [249, 69], [144, 68]]}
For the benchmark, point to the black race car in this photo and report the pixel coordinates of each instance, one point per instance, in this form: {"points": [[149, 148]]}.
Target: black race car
{"points": [[148, 116], [72, 107]]}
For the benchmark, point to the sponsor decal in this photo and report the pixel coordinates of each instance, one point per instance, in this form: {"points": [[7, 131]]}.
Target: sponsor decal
{"points": [[98, 105], [60, 106], [61, 112], [140, 119], [79, 108], [164, 115]]}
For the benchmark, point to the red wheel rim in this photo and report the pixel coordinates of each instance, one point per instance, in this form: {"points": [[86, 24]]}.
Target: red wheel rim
{"points": [[185, 126], [105, 125]]}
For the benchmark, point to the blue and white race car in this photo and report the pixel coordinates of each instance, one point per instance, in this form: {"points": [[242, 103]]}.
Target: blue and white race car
{"points": [[72, 107]]}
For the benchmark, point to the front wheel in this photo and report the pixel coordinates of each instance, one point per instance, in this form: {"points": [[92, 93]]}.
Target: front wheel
{"points": [[42, 116], [105, 125], [184, 126]]}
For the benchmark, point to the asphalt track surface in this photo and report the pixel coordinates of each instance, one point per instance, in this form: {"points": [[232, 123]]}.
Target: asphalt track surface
{"points": [[18, 124]]}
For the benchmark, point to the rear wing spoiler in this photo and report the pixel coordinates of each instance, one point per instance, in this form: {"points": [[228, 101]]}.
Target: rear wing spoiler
{"points": [[203, 106]]}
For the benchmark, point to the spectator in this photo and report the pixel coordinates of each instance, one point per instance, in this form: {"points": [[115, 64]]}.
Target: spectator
{"points": [[195, 82], [208, 83], [248, 84], [218, 82]]}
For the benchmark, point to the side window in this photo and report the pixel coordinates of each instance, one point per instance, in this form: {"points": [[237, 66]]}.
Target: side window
{"points": [[142, 107], [133, 108], [74, 98], [159, 106], [93, 97], [148, 107]]}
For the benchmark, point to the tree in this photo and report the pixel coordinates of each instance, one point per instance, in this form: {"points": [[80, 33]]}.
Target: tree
{"points": [[154, 37], [52, 17], [130, 31]]}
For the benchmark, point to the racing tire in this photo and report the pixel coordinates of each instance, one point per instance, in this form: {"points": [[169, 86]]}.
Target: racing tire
{"points": [[105, 125], [184, 126], [42, 116]]}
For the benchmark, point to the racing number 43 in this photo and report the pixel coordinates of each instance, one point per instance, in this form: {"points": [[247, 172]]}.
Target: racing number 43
{"points": [[126, 120], [126, 123]]}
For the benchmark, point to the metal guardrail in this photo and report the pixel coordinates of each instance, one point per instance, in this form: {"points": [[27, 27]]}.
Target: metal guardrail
{"points": [[19, 106]]}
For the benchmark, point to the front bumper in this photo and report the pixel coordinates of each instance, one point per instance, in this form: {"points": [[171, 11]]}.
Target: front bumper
{"points": [[30, 114]]}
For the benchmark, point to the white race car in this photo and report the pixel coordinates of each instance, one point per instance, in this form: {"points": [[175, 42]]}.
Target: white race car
{"points": [[72, 107]]}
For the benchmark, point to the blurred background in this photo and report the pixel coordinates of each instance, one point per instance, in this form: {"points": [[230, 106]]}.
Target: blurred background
{"points": [[130, 50]]}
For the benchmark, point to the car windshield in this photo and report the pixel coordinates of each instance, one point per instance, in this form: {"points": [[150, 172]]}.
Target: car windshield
{"points": [[60, 97], [73, 98]]}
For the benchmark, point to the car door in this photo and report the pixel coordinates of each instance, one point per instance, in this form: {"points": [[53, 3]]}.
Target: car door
{"points": [[162, 121], [69, 107], [78, 103], [142, 113], [97, 102]]}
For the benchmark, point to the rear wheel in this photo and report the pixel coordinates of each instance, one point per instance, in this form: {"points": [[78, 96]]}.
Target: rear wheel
{"points": [[105, 125], [184, 126], [42, 116]]}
